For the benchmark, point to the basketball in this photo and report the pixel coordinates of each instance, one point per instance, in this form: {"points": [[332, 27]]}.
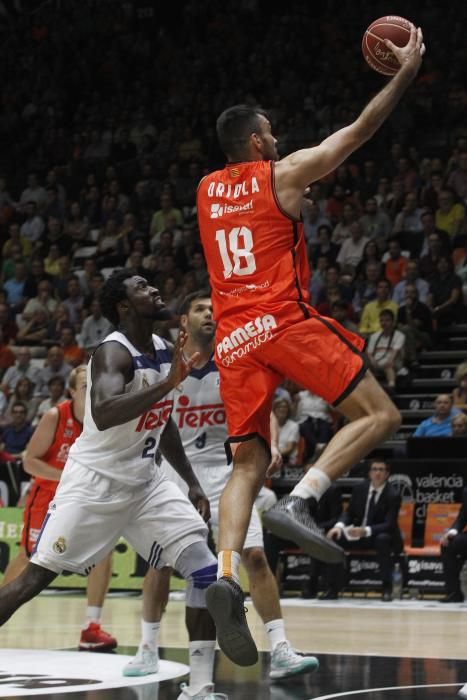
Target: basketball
{"points": [[375, 51]]}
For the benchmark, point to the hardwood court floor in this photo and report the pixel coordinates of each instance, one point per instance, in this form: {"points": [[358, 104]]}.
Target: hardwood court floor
{"points": [[408, 651]]}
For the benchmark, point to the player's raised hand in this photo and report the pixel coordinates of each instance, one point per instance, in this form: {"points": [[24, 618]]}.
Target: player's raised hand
{"points": [[411, 54], [181, 365]]}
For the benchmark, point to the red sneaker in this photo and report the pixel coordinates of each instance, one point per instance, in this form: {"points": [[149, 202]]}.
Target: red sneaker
{"points": [[93, 638]]}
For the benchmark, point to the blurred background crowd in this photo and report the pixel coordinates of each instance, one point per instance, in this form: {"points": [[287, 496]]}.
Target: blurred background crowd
{"points": [[107, 124]]}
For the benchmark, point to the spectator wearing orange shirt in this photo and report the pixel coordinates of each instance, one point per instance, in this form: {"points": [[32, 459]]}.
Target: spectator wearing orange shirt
{"points": [[396, 264], [72, 353]]}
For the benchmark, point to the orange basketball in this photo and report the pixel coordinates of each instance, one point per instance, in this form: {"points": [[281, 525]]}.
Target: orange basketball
{"points": [[375, 51]]}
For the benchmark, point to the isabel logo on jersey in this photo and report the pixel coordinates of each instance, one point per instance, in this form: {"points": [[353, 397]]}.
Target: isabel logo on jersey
{"points": [[218, 210], [204, 416], [246, 338], [156, 417]]}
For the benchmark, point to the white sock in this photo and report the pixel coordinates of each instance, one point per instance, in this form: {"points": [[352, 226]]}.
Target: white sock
{"points": [[228, 564], [201, 663], [314, 483], [150, 634], [93, 614], [275, 629]]}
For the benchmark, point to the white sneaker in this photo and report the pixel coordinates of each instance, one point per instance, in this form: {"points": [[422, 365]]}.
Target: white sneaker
{"points": [[204, 693], [463, 691], [145, 662], [285, 662]]}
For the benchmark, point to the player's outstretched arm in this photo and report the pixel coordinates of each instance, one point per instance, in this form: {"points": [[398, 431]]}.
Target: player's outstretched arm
{"points": [[112, 369], [41, 440], [307, 165], [171, 447]]}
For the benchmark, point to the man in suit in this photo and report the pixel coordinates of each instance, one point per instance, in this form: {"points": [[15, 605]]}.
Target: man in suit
{"points": [[370, 522], [454, 553]]}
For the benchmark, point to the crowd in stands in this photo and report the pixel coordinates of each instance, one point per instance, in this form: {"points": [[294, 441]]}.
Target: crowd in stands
{"points": [[108, 124]]}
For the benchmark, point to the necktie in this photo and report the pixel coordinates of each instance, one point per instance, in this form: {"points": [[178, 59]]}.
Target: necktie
{"points": [[371, 508]]}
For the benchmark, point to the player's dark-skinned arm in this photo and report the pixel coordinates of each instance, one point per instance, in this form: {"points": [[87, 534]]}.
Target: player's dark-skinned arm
{"points": [[295, 172], [171, 448], [112, 369]]}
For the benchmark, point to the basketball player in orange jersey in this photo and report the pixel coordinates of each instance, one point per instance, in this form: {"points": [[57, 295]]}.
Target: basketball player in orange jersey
{"points": [[44, 459], [249, 217]]}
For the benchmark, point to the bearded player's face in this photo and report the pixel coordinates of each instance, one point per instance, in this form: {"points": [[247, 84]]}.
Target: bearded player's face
{"points": [[269, 142]]}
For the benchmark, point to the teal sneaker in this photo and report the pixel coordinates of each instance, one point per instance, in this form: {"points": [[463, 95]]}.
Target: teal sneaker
{"points": [[145, 662], [286, 662], [204, 693]]}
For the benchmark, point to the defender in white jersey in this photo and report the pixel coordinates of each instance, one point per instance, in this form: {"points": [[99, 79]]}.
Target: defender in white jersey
{"points": [[200, 418], [110, 484]]}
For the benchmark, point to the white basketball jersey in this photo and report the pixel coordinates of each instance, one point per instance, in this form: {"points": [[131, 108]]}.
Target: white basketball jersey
{"points": [[126, 452], [200, 416]]}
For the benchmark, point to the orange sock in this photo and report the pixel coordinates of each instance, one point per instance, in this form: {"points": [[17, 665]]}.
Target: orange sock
{"points": [[228, 564]]}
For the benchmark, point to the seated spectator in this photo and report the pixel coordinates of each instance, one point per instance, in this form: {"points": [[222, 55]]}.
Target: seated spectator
{"points": [[431, 192], [60, 318], [370, 320], [23, 393], [44, 301], [313, 220], [340, 312], [159, 220], [375, 223], [457, 180], [94, 329], [95, 285], [74, 301], [324, 248], [53, 205], [439, 425], [365, 286], [445, 297], [386, 349], [289, 433], [36, 275], [14, 288], [429, 227], [35, 330], [76, 225], [72, 353], [459, 394], [411, 277], [370, 522], [459, 425], [346, 218], [414, 320], [85, 277], [56, 389], [55, 365], [7, 325], [395, 267], [454, 554], [15, 238], [429, 263], [61, 279], [22, 368], [33, 227], [409, 218], [318, 279], [17, 433], [352, 248], [7, 356], [51, 262], [112, 249], [450, 215], [314, 419]]}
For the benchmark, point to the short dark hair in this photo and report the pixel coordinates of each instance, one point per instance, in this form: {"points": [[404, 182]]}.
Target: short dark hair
{"points": [[235, 126], [113, 292], [380, 460], [186, 303], [387, 312]]}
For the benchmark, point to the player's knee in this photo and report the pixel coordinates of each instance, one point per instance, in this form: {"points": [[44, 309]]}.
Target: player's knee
{"points": [[198, 566], [392, 418], [254, 560]]}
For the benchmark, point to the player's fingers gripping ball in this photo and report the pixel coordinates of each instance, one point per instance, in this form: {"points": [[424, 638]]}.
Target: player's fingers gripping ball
{"points": [[376, 53]]}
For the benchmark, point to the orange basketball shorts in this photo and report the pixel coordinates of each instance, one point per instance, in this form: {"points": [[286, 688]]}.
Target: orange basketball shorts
{"points": [[256, 352], [35, 510]]}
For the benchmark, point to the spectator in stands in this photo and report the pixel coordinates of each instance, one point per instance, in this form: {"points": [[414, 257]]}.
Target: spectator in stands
{"points": [[14, 288], [445, 297], [34, 332], [375, 223], [95, 328], [386, 349], [352, 248], [459, 393], [33, 227], [23, 367], [72, 353], [407, 174], [430, 193], [414, 320], [324, 248], [55, 365], [457, 180], [7, 325], [340, 312], [34, 192], [17, 433], [36, 275], [411, 277], [15, 237], [454, 554], [459, 425], [409, 218], [55, 236], [56, 389], [429, 262], [7, 356], [60, 318], [370, 320], [44, 301], [289, 433], [74, 300], [23, 393], [76, 225], [439, 425], [53, 205], [370, 522], [395, 268], [450, 215], [313, 219], [314, 419], [159, 220], [346, 218], [51, 262]]}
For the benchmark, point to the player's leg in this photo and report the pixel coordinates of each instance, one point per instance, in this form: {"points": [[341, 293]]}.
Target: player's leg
{"points": [[337, 372], [24, 588], [265, 595], [15, 566], [156, 588], [93, 637]]}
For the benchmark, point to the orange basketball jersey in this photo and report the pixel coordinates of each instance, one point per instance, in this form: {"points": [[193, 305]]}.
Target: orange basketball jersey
{"points": [[68, 429], [255, 253]]}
